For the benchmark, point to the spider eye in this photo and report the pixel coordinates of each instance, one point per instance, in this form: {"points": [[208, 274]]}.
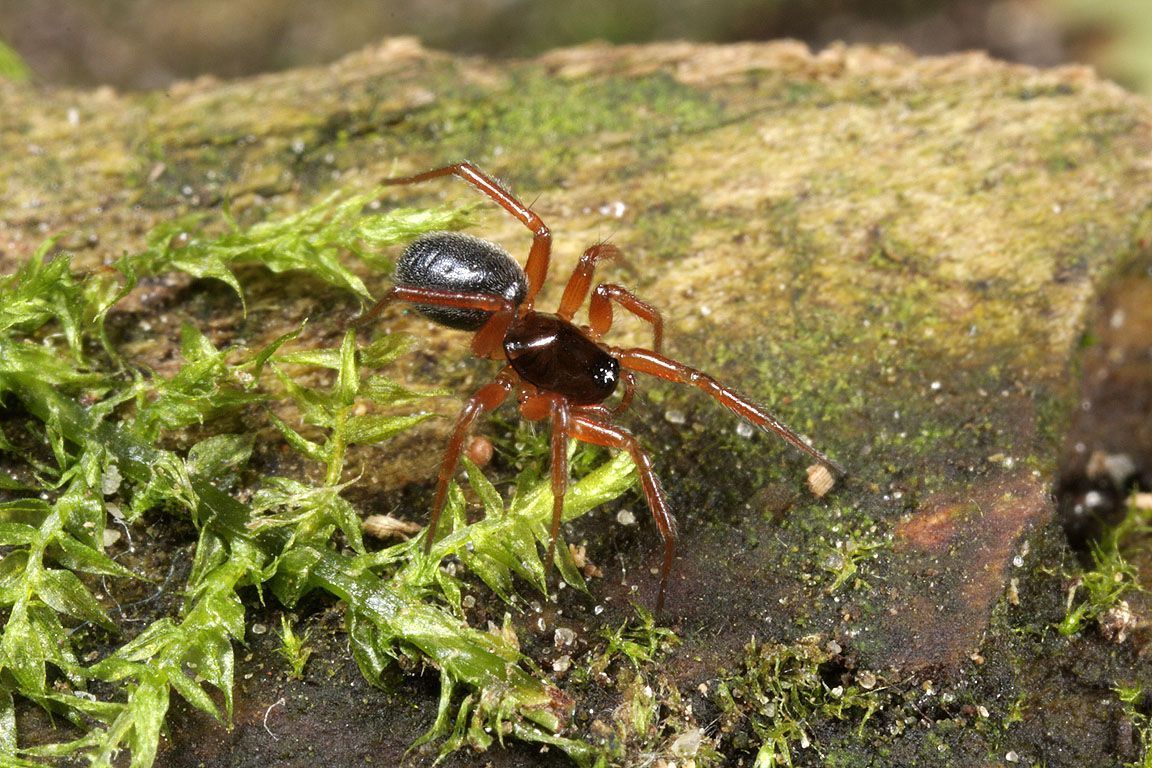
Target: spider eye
{"points": [[608, 375]]}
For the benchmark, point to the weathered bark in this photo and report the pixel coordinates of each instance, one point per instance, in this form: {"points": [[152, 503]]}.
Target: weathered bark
{"points": [[897, 254]]}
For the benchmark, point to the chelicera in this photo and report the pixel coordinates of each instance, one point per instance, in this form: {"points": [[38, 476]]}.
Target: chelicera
{"points": [[558, 370]]}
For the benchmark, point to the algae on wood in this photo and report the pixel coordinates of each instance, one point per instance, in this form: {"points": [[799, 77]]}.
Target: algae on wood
{"points": [[895, 254]]}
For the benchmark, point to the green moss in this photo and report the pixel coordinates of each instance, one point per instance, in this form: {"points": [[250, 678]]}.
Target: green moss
{"points": [[545, 119], [292, 537], [1133, 699], [1100, 590], [772, 706], [12, 66], [640, 644], [294, 648]]}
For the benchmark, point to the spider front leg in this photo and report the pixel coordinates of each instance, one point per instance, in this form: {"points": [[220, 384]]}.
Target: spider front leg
{"points": [[600, 308], [600, 311], [438, 298], [536, 268], [581, 280], [487, 339], [645, 361], [486, 398], [598, 433]]}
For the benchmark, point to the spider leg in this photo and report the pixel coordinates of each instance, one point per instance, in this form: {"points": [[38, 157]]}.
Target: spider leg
{"points": [[600, 308], [652, 363], [536, 267], [629, 391], [488, 338], [440, 298], [600, 311], [486, 398], [598, 433], [581, 280], [606, 413], [561, 420]]}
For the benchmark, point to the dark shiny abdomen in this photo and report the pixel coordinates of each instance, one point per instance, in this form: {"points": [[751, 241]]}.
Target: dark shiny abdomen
{"points": [[556, 356], [452, 261]]}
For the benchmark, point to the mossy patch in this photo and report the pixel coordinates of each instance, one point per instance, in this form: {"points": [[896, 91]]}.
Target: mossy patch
{"points": [[893, 254]]}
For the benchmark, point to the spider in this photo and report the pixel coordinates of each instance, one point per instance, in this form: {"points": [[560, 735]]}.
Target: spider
{"points": [[559, 371]]}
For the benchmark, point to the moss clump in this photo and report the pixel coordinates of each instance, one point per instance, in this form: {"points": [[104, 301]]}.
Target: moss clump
{"points": [[784, 692], [1096, 596], [85, 435], [12, 67]]}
